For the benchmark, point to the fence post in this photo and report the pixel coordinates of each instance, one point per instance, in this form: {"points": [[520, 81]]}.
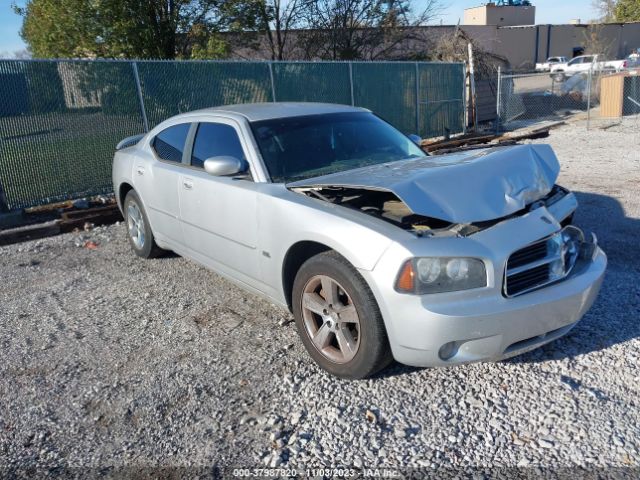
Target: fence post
{"points": [[273, 84], [465, 110], [553, 95], [499, 99], [353, 103], [143, 110], [4, 206], [418, 100], [589, 97]]}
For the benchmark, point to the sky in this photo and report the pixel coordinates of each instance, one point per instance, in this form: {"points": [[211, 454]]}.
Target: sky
{"points": [[547, 11]]}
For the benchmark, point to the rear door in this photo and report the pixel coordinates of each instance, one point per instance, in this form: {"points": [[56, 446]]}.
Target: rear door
{"points": [[219, 214], [156, 180]]}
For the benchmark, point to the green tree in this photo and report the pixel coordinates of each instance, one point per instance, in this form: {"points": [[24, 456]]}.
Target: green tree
{"points": [[163, 29], [209, 47], [628, 11], [57, 29]]}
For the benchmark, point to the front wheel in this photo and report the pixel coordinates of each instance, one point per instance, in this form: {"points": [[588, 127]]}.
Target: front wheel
{"points": [[559, 76], [338, 318]]}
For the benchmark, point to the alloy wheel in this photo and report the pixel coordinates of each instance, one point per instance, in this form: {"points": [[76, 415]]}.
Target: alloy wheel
{"points": [[135, 224], [330, 319]]}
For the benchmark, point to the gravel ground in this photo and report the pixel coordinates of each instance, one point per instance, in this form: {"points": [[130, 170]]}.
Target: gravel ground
{"points": [[107, 361]]}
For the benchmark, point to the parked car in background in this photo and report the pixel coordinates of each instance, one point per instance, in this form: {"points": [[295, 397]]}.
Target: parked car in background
{"points": [[546, 66], [633, 61], [584, 63], [379, 250]]}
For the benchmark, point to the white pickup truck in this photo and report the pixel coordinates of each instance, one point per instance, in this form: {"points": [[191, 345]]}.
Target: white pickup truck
{"points": [[546, 66], [585, 63]]}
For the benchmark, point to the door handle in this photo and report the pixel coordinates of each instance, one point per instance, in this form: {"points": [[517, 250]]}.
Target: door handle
{"points": [[140, 170], [187, 184]]}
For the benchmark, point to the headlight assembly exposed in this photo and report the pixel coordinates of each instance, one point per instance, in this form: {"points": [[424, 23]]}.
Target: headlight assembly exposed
{"points": [[441, 274]]}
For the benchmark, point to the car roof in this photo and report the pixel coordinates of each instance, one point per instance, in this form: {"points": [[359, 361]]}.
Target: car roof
{"points": [[269, 110]]}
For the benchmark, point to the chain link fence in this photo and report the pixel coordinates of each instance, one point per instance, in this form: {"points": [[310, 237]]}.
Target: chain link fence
{"points": [[602, 98], [61, 119]]}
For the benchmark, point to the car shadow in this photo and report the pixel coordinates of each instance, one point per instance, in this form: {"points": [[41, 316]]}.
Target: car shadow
{"points": [[168, 254], [613, 319]]}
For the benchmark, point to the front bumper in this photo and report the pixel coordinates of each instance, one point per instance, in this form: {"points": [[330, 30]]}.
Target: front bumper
{"points": [[482, 324]]}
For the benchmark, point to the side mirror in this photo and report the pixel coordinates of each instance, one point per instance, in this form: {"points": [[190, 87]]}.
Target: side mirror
{"points": [[415, 139], [224, 165]]}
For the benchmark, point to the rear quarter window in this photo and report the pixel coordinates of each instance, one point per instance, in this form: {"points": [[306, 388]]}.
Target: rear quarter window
{"points": [[169, 143]]}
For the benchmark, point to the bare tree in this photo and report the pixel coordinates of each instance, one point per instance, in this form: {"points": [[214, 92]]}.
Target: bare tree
{"points": [[595, 41], [271, 20], [454, 47], [606, 9], [363, 29], [281, 18]]}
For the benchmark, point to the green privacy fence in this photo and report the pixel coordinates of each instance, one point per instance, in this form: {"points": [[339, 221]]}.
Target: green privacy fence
{"points": [[631, 91], [61, 119]]}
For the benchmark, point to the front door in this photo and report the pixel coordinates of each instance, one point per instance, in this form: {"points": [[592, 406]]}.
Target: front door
{"points": [[218, 214]]}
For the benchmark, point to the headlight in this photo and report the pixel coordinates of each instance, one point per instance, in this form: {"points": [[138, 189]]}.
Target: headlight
{"points": [[572, 238], [441, 274], [565, 246]]}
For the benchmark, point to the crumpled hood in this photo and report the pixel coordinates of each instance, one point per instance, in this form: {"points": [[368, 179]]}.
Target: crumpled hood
{"points": [[464, 187]]}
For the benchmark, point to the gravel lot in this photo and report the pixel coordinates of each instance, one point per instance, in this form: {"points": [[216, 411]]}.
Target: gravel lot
{"points": [[107, 360]]}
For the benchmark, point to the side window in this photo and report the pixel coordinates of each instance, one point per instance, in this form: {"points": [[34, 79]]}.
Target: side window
{"points": [[169, 143], [576, 61], [587, 60], [214, 140]]}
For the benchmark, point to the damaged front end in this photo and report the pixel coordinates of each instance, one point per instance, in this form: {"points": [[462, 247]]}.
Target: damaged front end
{"points": [[381, 204], [388, 207], [452, 195]]}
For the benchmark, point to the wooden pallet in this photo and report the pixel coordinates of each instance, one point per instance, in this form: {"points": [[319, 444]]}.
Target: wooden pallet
{"points": [[67, 221]]}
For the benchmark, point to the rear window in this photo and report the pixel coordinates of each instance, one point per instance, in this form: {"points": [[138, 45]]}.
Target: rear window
{"points": [[169, 143]]}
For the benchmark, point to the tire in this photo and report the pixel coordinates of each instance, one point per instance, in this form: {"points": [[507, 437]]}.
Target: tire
{"points": [[343, 347], [138, 229], [558, 76]]}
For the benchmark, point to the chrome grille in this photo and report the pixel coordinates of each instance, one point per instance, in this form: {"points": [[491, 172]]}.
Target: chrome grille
{"points": [[530, 267], [528, 255], [520, 282], [543, 262]]}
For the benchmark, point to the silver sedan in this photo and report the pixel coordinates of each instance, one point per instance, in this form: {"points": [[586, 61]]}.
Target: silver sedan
{"points": [[380, 251]]}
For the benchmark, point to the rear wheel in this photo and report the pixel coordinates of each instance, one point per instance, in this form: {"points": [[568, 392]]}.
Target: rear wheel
{"points": [[338, 318], [139, 232]]}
